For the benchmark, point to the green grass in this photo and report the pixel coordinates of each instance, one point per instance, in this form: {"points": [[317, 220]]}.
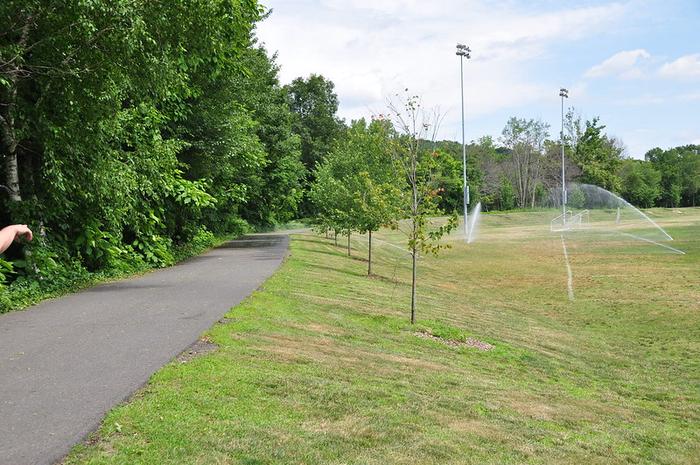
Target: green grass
{"points": [[321, 365]]}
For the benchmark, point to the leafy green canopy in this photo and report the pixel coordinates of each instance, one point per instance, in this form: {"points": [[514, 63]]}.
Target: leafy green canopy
{"points": [[599, 157], [357, 186], [314, 104], [130, 125], [679, 168]]}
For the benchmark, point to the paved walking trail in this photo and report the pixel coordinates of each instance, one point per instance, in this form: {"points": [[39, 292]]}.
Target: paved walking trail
{"points": [[66, 362]]}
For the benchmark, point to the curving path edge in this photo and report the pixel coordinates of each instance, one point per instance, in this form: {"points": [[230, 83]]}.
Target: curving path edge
{"points": [[65, 362]]}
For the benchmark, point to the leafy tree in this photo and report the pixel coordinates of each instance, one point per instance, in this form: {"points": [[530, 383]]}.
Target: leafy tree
{"points": [[239, 135], [667, 163], [525, 141], [506, 195], [680, 174], [492, 161], [551, 184], [418, 164], [599, 157], [449, 157], [314, 104], [690, 174], [577, 198], [357, 187], [332, 199], [641, 182], [282, 175]]}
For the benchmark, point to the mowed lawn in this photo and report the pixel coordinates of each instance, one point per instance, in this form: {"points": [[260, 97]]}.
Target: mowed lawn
{"points": [[321, 365]]}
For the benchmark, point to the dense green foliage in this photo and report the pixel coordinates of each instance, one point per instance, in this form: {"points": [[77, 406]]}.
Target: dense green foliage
{"points": [[598, 157], [314, 105], [679, 168], [132, 128], [358, 187], [641, 182]]}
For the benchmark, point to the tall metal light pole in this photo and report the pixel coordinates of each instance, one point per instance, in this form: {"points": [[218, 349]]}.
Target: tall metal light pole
{"points": [[464, 52], [563, 93]]}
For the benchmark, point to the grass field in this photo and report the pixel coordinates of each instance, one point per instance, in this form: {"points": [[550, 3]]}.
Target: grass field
{"points": [[321, 365]]}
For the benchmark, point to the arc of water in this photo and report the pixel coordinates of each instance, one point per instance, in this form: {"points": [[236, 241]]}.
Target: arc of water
{"points": [[627, 204], [392, 245], [672, 249], [473, 223]]}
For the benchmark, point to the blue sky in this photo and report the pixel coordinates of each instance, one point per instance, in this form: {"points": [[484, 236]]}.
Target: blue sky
{"points": [[633, 63]]}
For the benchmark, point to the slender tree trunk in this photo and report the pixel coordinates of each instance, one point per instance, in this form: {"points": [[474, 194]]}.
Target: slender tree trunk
{"points": [[413, 286], [414, 249], [522, 185], [9, 144], [349, 243], [369, 256], [335, 237], [7, 123]]}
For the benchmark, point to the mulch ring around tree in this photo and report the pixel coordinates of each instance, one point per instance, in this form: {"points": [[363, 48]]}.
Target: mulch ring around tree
{"points": [[470, 342]]}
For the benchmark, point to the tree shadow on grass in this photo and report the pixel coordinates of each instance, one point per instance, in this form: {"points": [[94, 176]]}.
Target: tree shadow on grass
{"points": [[360, 274], [340, 253], [386, 279], [326, 252], [339, 270], [316, 240]]}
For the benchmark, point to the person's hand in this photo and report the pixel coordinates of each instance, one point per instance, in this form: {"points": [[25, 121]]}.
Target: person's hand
{"points": [[14, 233], [21, 230]]}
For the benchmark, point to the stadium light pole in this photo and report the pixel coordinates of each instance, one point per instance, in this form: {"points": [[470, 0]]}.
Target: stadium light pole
{"points": [[464, 52], [563, 93]]}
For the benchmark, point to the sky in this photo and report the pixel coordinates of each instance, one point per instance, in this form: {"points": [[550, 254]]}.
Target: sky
{"points": [[635, 64]]}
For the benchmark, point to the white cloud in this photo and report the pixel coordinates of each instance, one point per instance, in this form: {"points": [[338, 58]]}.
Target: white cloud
{"points": [[633, 64], [685, 67], [648, 99], [623, 64], [372, 48]]}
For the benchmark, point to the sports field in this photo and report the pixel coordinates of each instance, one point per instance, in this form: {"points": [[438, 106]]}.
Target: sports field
{"points": [[513, 359]]}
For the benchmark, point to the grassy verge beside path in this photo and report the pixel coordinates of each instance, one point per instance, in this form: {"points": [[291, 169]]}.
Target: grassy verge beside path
{"points": [[321, 366]]}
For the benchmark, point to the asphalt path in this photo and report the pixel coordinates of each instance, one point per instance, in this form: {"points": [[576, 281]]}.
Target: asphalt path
{"points": [[66, 362]]}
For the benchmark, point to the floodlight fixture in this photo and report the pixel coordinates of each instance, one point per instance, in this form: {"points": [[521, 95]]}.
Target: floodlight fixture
{"points": [[463, 51]]}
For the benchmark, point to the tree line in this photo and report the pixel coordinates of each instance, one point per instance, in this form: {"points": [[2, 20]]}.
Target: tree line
{"points": [[130, 129], [522, 168]]}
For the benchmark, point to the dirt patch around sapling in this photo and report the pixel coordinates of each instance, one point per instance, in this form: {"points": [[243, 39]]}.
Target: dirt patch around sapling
{"points": [[470, 342]]}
